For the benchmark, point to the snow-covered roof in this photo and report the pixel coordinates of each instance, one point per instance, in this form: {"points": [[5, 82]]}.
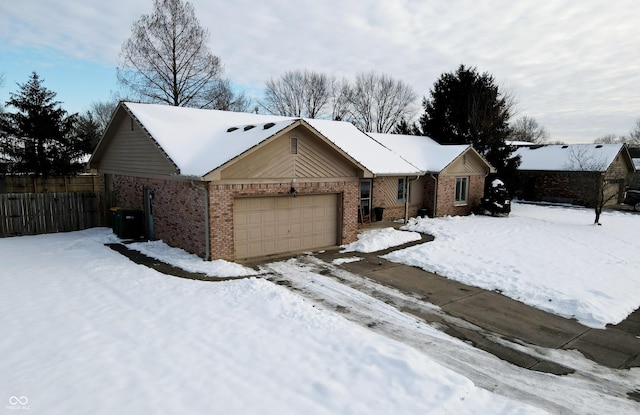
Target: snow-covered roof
{"points": [[571, 157], [517, 143], [636, 163], [422, 152], [375, 156], [199, 140]]}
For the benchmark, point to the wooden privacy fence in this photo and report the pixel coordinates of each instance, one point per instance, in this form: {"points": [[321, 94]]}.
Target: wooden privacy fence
{"points": [[31, 184], [36, 213]]}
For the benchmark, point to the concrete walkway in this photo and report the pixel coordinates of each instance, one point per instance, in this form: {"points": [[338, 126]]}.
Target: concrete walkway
{"points": [[616, 347]]}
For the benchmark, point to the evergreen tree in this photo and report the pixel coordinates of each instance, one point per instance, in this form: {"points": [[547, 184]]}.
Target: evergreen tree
{"points": [[40, 138], [466, 107], [406, 128], [89, 131]]}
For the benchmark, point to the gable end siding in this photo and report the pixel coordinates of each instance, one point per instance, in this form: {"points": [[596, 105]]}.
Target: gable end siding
{"points": [[466, 164], [132, 152], [314, 159]]}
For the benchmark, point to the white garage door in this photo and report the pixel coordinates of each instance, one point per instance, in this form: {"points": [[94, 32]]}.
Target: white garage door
{"points": [[276, 225]]}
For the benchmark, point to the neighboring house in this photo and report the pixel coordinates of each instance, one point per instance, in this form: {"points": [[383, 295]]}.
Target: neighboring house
{"points": [[574, 173], [227, 185], [634, 178], [452, 182]]}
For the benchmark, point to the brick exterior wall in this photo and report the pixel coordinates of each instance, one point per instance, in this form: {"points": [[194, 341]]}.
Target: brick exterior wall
{"points": [[575, 187], [578, 188], [221, 199], [447, 194], [179, 209], [429, 187]]}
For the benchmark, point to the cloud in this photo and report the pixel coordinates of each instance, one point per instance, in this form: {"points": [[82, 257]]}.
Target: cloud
{"points": [[572, 65]]}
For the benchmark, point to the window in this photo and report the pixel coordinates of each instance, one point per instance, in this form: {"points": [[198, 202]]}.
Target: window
{"points": [[461, 190], [294, 145], [365, 196], [402, 190]]}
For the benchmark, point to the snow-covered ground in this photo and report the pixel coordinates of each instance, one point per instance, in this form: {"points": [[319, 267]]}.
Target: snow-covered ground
{"points": [[87, 331], [552, 258], [84, 330]]}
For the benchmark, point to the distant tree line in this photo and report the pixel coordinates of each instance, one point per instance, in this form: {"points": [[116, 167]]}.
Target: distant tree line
{"points": [[632, 139]]}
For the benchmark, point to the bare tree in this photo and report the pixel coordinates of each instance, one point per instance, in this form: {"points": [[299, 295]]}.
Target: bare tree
{"points": [[634, 135], [583, 159], [529, 130], [340, 91], [379, 102], [102, 112], [166, 59], [609, 139], [223, 98], [298, 93]]}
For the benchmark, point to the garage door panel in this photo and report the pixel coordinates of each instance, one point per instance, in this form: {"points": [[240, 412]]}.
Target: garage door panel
{"points": [[254, 233], [272, 225], [268, 232], [283, 231], [295, 229]]}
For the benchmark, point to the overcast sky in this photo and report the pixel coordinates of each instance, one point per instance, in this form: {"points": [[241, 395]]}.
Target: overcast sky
{"points": [[572, 65]]}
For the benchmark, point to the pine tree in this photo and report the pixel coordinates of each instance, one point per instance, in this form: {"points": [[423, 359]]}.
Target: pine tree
{"points": [[40, 138], [466, 107]]}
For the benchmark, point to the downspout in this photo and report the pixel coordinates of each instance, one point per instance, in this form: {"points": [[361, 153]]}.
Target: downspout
{"points": [[435, 194], [207, 230], [406, 199]]}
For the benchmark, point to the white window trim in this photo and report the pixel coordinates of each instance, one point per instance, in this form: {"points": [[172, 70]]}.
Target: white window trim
{"points": [[465, 201], [404, 189]]}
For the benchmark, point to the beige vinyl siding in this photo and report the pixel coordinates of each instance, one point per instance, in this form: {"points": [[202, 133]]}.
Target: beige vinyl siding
{"points": [[131, 152], [416, 196], [314, 159], [466, 164], [389, 191]]}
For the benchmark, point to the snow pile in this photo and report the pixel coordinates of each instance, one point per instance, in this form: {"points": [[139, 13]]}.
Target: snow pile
{"points": [[379, 239], [340, 261], [552, 258], [85, 330], [190, 262]]}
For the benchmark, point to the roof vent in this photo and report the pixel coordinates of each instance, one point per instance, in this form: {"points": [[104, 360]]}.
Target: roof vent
{"points": [[248, 127], [565, 146], [269, 125], [599, 146], [231, 129]]}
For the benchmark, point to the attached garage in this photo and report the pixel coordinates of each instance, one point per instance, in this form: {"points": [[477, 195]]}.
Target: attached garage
{"points": [[280, 224]]}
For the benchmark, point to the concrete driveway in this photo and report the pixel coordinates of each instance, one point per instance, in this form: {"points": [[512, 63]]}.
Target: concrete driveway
{"points": [[498, 316]]}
